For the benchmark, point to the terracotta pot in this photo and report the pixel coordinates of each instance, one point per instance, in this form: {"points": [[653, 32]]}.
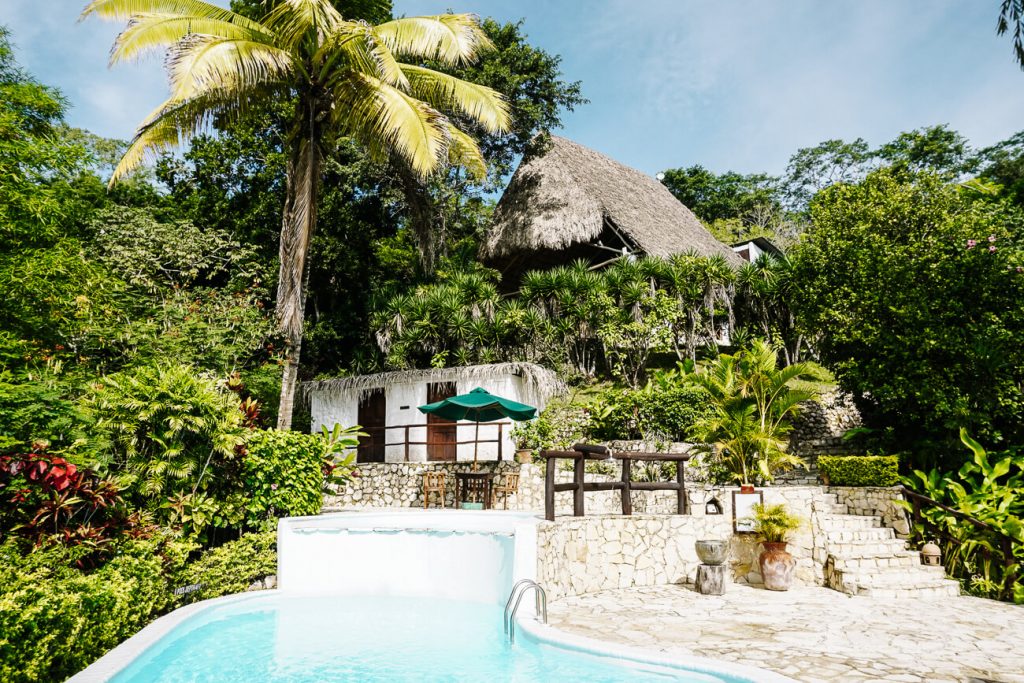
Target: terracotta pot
{"points": [[777, 567], [712, 552], [524, 456], [746, 488]]}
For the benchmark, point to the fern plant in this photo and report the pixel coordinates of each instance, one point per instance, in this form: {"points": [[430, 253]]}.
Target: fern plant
{"points": [[774, 523]]}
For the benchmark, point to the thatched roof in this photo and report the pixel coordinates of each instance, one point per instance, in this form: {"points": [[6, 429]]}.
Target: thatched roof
{"points": [[539, 383], [567, 194]]}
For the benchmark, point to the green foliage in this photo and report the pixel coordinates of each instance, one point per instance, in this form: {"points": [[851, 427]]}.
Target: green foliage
{"points": [[989, 487], [753, 403], [562, 423], [663, 410], [55, 620], [860, 470], [173, 437], [232, 567], [774, 523], [914, 286], [727, 195], [284, 472]]}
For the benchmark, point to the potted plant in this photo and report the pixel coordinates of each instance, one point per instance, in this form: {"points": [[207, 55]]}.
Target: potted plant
{"points": [[527, 440], [773, 525]]}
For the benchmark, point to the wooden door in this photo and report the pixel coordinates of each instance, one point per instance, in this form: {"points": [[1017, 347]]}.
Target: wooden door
{"points": [[372, 418], [441, 434]]}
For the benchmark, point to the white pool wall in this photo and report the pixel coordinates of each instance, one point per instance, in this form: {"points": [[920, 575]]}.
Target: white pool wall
{"points": [[454, 554]]}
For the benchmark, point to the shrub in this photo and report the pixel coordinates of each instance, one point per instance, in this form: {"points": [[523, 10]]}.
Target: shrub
{"points": [[232, 567], [55, 620], [46, 499], [657, 411], [173, 436], [285, 472], [860, 470], [989, 487]]}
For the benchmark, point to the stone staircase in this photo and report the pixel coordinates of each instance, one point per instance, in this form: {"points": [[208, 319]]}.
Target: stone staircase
{"points": [[863, 557]]}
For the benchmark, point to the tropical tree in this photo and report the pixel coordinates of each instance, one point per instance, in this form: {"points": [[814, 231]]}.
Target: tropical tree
{"points": [[754, 402], [344, 78]]}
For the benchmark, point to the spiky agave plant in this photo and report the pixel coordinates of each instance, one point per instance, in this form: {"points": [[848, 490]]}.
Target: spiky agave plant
{"points": [[346, 78]]}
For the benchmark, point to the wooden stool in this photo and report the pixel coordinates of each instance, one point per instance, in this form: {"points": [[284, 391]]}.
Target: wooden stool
{"points": [[433, 482], [509, 486], [711, 579]]}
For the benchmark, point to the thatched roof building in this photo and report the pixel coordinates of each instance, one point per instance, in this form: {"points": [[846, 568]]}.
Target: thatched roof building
{"points": [[568, 202]]}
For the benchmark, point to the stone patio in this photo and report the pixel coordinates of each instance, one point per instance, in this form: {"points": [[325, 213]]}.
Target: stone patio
{"points": [[811, 633]]}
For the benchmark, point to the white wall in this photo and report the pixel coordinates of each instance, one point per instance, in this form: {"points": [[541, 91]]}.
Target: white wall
{"points": [[336, 407]]}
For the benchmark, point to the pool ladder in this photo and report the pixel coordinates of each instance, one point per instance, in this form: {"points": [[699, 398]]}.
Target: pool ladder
{"points": [[518, 591]]}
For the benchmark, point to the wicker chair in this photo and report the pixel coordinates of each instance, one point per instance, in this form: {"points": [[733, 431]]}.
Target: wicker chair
{"points": [[507, 487], [433, 482]]}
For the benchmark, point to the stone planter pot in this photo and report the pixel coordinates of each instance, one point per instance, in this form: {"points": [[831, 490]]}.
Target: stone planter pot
{"points": [[712, 552], [524, 456], [746, 488], [777, 567]]}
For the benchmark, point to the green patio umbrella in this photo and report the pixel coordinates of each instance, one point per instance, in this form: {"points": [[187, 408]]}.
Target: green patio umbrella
{"points": [[479, 406]]}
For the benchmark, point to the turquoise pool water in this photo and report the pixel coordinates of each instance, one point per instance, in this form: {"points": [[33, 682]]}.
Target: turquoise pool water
{"points": [[286, 639]]}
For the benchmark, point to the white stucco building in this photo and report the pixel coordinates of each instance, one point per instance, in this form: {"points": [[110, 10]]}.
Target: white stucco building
{"points": [[385, 406]]}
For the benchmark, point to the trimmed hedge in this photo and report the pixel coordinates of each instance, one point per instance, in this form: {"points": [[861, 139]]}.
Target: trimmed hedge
{"points": [[860, 470]]}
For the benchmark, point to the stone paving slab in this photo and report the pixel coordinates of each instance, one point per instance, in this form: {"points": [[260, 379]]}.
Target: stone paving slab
{"points": [[810, 633]]}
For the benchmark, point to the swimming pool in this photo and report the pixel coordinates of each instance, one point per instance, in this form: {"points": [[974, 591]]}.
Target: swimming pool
{"points": [[281, 638], [389, 595]]}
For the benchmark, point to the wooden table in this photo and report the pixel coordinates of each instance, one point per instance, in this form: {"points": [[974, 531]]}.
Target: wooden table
{"points": [[474, 482], [581, 454]]}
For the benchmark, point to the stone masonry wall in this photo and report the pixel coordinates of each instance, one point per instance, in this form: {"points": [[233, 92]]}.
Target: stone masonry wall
{"points": [[588, 554], [818, 431], [878, 501]]}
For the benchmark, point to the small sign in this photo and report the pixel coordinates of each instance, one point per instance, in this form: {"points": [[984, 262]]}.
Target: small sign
{"points": [[185, 590], [743, 510]]}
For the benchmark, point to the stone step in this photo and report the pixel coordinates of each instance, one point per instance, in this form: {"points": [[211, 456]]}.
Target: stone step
{"points": [[830, 498], [835, 522], [882, 533], [901, 582], [871, 547], [907, 559]]}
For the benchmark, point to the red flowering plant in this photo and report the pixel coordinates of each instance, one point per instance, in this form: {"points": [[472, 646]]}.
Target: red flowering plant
{"points": [[46, 499]]}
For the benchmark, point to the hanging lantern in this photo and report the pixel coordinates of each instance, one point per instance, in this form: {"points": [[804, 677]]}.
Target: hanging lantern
{"points": [[931, 554]]}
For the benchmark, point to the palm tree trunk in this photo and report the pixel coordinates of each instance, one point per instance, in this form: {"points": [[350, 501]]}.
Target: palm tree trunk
{"points": [[297, 226]]}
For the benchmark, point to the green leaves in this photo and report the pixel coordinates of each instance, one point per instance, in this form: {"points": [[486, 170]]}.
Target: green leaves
{"points": [[860, 470]]}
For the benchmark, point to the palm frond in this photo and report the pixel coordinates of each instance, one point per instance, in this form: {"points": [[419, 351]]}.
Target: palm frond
{"points": [[149, 32], [297, 20], [356, 44], [173, 123], [452, 39], [122, 10], [205, 63], [463, 151], [479, 102], [381, 114]]}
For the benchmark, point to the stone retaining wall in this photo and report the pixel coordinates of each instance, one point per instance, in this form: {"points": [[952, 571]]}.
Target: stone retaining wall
{"points": [[881, 501], [600, 552]]}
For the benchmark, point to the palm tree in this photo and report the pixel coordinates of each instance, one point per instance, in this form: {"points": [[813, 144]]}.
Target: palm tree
{"points": [[753, 401], [345, 79]]}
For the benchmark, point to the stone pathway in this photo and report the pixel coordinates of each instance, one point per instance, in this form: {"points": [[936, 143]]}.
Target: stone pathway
{"points": [[811, 633]]}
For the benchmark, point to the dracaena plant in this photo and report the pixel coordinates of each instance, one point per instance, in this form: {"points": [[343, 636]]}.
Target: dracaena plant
{"points": [[345, 78]]}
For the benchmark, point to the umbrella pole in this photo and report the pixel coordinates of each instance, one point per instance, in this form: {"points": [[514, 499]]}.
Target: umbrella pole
{"points": [[476, 443]]}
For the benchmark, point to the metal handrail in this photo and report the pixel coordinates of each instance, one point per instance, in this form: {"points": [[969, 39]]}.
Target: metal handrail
{"points": [[540, 606], [508, 603]]}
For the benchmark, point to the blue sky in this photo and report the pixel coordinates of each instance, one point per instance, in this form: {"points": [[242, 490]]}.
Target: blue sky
{"points": [[730, 84]]}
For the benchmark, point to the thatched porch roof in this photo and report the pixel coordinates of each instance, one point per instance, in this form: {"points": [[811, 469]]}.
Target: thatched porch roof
{"points": [[569, 194], [539, 383]]}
